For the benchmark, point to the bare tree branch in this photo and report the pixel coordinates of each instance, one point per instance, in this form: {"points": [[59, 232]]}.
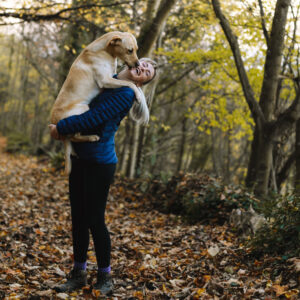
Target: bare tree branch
{"points": [[273, 59], [287, 62], [263, 21], [151, 9], [33, 17], [247, 89], [186, 72], [283, 174], [288, 117], [150, 30]]}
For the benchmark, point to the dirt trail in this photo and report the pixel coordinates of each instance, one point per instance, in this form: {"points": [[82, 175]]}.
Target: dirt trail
{"points": [[154, 256]]}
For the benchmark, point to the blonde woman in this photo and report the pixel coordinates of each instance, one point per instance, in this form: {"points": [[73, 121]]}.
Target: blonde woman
{"points": [[93, 170]]}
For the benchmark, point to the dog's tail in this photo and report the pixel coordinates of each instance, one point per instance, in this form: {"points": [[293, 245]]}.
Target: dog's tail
{"points": [[68, 151], [139, 112]]}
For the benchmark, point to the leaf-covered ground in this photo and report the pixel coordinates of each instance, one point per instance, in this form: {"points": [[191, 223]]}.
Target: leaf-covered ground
{"points": [[154, 255]]}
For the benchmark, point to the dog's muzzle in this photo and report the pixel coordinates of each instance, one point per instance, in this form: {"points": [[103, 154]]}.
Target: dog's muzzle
{"points": [[135, 65]]}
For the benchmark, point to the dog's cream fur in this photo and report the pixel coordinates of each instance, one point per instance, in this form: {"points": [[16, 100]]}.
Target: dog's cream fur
{"points": [[91, 71]]}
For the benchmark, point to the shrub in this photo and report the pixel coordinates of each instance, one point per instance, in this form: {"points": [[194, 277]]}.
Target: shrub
{"points": [[282, 233], [197, 197], [18, 143], [57, 159]]}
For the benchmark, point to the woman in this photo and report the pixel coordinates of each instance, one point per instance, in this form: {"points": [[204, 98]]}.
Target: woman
{"points": [[92, 173]]}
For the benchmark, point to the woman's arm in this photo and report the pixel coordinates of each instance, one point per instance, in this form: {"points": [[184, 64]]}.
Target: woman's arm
{"points": [[115, 103]]}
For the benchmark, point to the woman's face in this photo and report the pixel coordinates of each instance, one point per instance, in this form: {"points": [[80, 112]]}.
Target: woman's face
{"points": [[139, 75]]}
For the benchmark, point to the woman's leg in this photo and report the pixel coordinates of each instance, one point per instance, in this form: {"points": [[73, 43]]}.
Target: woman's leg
{"points": [[102, 244], [80, 231], [99, 180], [77, 278]]}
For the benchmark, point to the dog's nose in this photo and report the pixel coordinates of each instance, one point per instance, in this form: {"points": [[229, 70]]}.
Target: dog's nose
{"points": [[137, 63]]}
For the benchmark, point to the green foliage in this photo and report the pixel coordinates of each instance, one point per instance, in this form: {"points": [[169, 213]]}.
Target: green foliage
{"points": [[57, 159], [223, 105], [282, 233], [18, 143]]}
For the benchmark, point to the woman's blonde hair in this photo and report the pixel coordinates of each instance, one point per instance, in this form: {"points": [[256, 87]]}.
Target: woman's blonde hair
{"points": [[139, 112]]}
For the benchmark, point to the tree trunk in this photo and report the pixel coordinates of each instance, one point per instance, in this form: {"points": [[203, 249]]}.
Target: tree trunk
{"points": [[11, 81], [151, 10], [182, 144], [273, 59], [252, 164], [215, 154], [35, 130], [140, 156], [134, 149], [151, 29], [285, 170], [297, 155], [228, 158], [24, 96], [149, 91], [263, 113], [264, 163], [126, 149], [272, 67], [192, 160]]}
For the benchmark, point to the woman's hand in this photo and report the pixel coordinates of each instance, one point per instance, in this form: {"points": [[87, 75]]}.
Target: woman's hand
{"points": [[54, 133]]}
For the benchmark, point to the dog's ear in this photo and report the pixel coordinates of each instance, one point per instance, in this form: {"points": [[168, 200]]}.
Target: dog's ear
{"points": [[114, 41]]}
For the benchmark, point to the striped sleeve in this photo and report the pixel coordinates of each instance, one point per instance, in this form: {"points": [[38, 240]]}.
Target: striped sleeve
{"points": [[112, 105]]}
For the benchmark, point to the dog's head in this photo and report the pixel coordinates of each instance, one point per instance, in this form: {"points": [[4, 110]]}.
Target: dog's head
{"points": [[124, 46]]}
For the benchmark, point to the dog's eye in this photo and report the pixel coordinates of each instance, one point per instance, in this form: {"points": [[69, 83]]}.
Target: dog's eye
{"points": [[130, 51]]}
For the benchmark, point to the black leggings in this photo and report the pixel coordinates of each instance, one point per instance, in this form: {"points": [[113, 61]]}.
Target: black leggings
{"points": [[88, 186]]}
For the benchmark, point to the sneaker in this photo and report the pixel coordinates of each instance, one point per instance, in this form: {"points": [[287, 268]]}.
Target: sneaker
{"points": [[76, 279], [104, 283]]}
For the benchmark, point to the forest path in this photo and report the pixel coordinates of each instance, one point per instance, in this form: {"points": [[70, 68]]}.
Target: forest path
{"points": [[3, 142], [154, 256]]}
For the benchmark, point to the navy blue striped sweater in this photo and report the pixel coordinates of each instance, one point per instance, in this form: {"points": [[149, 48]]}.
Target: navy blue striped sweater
{"points": [[106, 112]]}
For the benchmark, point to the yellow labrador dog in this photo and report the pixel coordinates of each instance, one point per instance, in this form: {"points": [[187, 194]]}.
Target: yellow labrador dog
{"points": [[92, 71]]}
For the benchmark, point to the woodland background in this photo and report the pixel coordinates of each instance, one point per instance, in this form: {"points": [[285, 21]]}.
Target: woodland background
{"points": [[224, 136], [211, 101], [226, 101]]}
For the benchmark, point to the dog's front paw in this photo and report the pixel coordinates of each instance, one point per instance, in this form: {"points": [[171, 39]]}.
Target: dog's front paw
{"points": [[94, 138]]}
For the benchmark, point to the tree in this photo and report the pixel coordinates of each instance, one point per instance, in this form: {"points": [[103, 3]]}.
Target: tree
{"points": [[268, 127], [156, 13]]}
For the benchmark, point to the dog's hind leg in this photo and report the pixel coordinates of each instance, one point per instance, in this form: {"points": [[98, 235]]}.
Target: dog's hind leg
{"points": [[68, 151]]}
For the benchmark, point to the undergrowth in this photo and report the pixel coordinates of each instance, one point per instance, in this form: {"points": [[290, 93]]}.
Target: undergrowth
{"points": [[203, 199], [281, 234], [18, 143]]}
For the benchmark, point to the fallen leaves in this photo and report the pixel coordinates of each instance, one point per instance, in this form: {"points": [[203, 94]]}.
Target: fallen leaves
{"points": [[154, 255], [279, 290], [213, 250], [296, 263]]}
